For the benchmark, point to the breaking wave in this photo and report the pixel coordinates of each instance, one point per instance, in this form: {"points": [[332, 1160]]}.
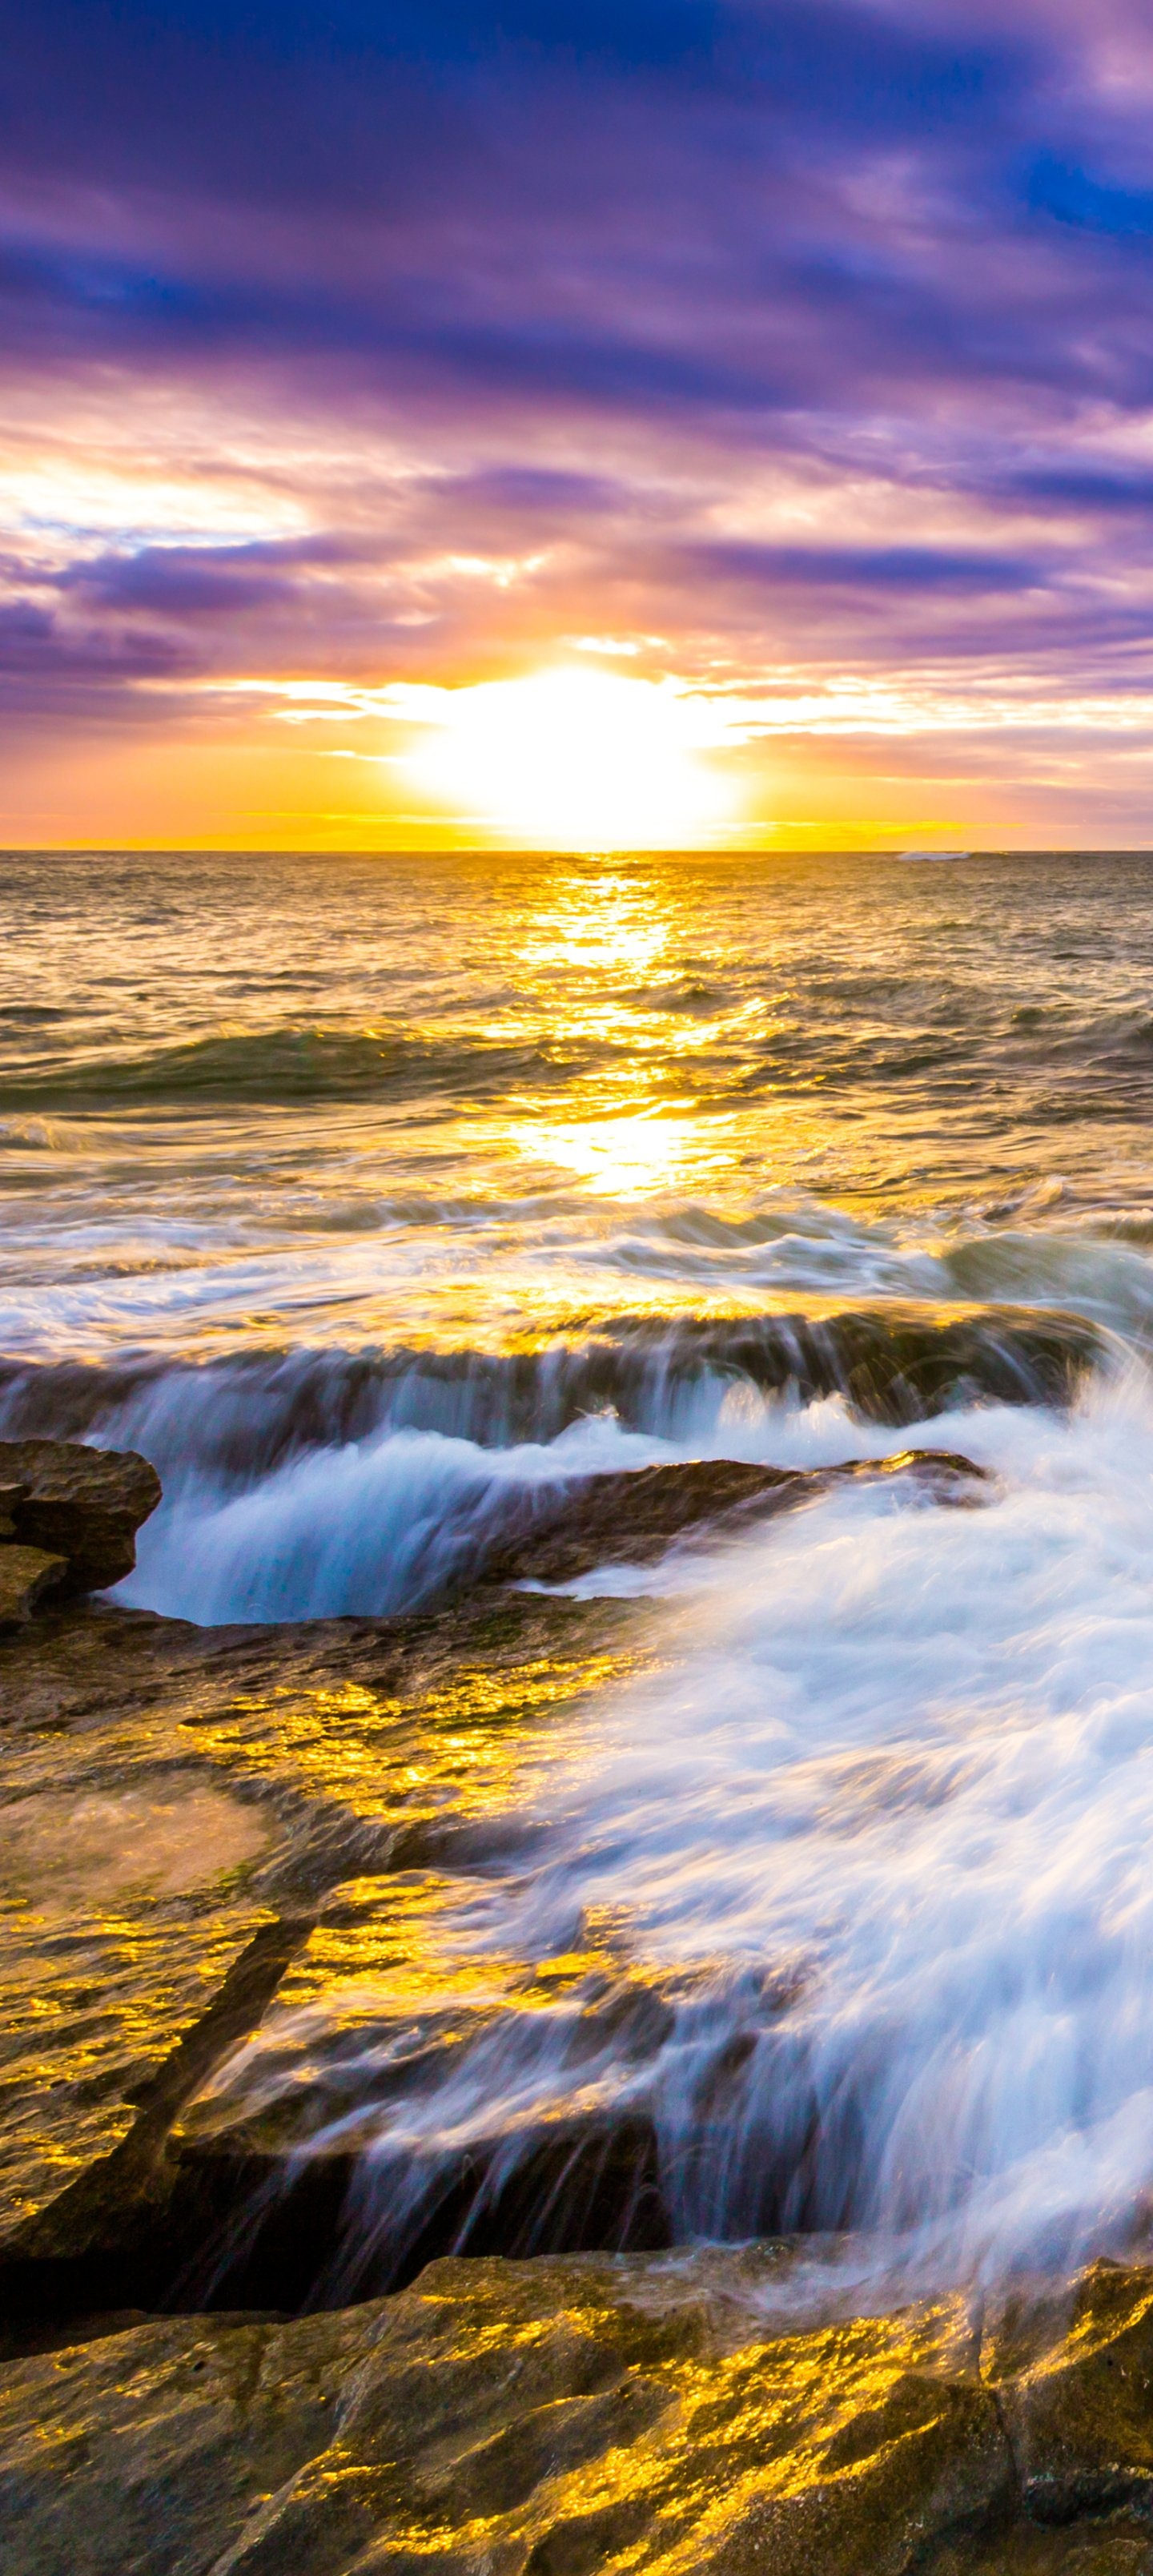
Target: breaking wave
{"points": [[315, 1484], [860, 1881]]}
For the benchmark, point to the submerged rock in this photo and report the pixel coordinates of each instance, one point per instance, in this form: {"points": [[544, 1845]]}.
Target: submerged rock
{"points": [[712, 2413], [84, 1505], [556, 1532]]}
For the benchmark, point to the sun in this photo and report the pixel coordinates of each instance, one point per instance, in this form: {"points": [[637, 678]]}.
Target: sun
{"points": [[576, 760]]}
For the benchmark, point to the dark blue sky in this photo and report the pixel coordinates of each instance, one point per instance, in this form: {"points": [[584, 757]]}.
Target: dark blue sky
{"points": [[797, 349]]}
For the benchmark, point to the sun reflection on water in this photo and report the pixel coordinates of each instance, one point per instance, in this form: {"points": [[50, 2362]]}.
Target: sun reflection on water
{"points": [[628, 1157], [606, 965], [469, 1100]]}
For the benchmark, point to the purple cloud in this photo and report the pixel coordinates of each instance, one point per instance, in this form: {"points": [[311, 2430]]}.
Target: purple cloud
{"points": [[779, 332]]}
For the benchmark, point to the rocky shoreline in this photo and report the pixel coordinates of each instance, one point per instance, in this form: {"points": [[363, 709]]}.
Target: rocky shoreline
{"points": [[211, 1840], [595, 2413]]}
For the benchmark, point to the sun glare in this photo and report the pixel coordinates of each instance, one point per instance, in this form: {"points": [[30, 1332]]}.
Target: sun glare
{"points": [[576, 759]]}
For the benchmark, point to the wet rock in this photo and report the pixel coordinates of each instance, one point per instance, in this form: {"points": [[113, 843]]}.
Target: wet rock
{"points": [[1114, 2544], [1071, 2368], [407, 2095], [85, 1505], [26, 1574], [713, 2411], [205, 2422], [103, 2246], [578, 2416], [1075, 2376], [176, 1805], [371, 1741], [554, 1533], [121, 1916]]}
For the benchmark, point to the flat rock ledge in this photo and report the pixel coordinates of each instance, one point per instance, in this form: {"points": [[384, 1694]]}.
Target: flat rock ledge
{"points": [[178, 1808], [68, 1519], [590, 2414]]}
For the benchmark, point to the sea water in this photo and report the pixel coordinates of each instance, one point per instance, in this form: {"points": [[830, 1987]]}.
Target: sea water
{"points": [[351, 1189]]}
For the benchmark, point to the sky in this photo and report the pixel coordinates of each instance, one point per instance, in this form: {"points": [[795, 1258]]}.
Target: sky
{"points": [[435, 425]]}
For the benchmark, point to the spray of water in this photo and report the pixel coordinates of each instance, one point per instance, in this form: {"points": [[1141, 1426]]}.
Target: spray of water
{"points": [[859, 1881]]}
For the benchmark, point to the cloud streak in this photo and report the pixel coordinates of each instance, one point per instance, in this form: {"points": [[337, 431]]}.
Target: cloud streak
{"points": [[810, 342]]}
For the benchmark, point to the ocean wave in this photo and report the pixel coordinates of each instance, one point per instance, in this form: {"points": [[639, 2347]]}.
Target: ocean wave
{"points": [[240, 1418], [314, 1484], [860, 1881], [293, 1065], [871, 1035]]}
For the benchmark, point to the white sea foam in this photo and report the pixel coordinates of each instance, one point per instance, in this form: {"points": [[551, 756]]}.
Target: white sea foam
{"points": [[345, 1273], [914, 1750], [373, 1526], [881, 1830]]}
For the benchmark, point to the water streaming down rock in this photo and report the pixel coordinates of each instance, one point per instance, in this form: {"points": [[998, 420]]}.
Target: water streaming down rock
{"points": [[316, 1483], [839, 1923], [240, 1418], [661, 2031], [799, 1885], [675, 2045]]}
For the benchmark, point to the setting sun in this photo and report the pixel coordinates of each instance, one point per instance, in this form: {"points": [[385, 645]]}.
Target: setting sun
{"points": [[578, 759]]}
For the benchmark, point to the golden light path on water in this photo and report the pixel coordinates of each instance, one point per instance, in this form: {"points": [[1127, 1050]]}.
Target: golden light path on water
{"points": [[632, 1144], [605, 963], [466, 1100]]}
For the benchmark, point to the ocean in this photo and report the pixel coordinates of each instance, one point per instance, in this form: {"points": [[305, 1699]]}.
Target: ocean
{"points": [[349, 1189]]}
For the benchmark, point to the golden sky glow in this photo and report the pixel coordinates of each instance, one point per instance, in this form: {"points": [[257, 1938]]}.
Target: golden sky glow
{"points": [[569, 732], [799, 379]]}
